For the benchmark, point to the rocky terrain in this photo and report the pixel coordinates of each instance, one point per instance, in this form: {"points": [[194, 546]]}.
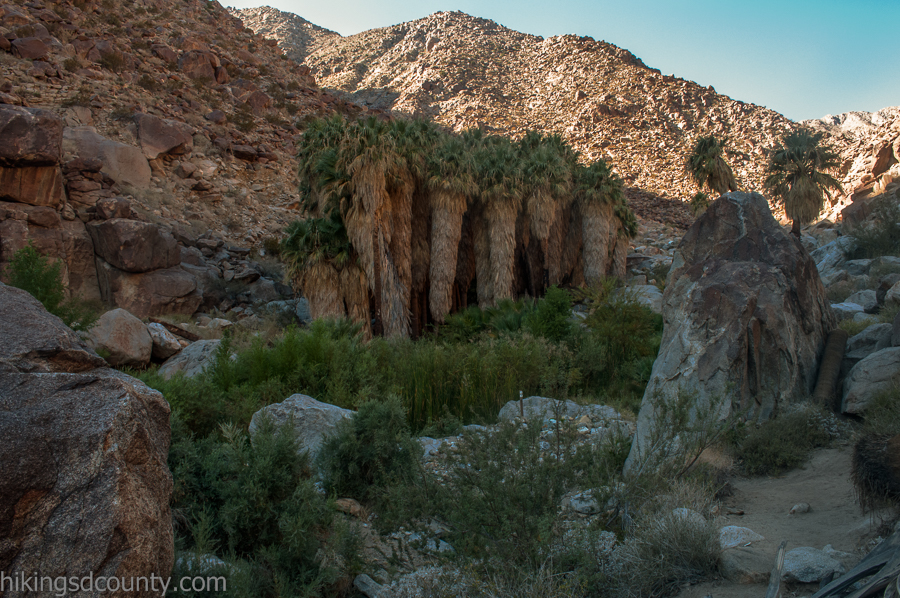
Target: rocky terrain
{"points": [[223, 102]]}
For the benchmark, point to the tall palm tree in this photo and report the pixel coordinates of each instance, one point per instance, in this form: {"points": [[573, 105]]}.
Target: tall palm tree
{"points": [[797, 176], [451, 181], [322, 264], [499, 179], [707, 166], [599, 190], [547, 181]]}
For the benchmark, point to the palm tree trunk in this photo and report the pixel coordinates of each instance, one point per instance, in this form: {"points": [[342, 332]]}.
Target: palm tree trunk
{"points": [[320, 283], [795, 227], [355, 290], [620, 257], [595, 226], [501, 219], [446, 232], [483, 279]]}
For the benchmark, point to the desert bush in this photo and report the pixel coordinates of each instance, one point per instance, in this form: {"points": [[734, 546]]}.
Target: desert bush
{"points": [[112, 61], [785, 442], [71, 64], [31, 271], [243, 119], [699, 203], [550, 318], [256, 505], [881, 235], [370, 452], [148, 82], [853, 327]]}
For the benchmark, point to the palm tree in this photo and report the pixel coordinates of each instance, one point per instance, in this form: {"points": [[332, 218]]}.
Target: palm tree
{"points": [[321, 263], [796, 176], [599, 190], [547, 164], [499, 180], [451, 180], [707, 166]]}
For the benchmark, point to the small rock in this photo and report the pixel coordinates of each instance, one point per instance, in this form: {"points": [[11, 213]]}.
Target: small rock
{"points": [[191, 361], [165, 344], [799, 508], [809, 565], [367, 585], [732, 536]]}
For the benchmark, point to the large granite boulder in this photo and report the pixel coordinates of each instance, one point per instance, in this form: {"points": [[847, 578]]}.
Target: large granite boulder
{"points": [[32, 340], [874, 338], [123, 163], [30, 136], [30, 155], [875, 375], [191, 361], [134, 246], [84, 485], [313, 421], [160, 136], [165, 291], [745, 318], [64, 240], [122, 337]]}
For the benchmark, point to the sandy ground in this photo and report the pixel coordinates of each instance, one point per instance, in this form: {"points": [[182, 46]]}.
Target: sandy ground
{"points": [[834, 518]]}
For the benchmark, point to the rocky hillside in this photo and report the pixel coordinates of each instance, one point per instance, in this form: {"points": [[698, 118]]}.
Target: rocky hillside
{"points": [[297, 37], [208, 106], [465, 72], [869, 143]]}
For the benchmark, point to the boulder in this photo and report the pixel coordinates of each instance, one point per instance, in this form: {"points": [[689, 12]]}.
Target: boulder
{"points": [[198, 64], [34, 185], [158, 136], [831, 257], [165, 344], [85, 486], [846, 310], [809, 565], [32, 340], [872, 339], [732, 536], [123, 163], [895, 331], [166, 291], [745, 319], [64, 241], [134, 246], [191, 361], [313, 421], [648, 295], [113, 207], [892, 296], [31, 136], [89, 489], [546, 408], [865, 299], [876, 374], [123, 337], [30, 48]]}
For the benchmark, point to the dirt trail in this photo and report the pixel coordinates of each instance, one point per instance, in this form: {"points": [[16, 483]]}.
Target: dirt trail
{"points": [[834, 518]]}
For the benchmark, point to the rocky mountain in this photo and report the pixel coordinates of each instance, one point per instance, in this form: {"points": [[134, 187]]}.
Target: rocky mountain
{"points": [[465, 71], [869, 143], [296, 36]]}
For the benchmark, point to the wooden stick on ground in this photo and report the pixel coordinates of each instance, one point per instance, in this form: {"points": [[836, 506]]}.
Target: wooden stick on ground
{"points": [[775, 575]]}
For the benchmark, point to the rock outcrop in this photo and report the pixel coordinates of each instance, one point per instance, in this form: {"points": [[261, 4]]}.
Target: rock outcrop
{"points": [[313, 421], [84, 485], [746, 319]]}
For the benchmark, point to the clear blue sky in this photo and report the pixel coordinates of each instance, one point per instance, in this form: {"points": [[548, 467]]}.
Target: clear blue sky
{"points": [[803, 58]]}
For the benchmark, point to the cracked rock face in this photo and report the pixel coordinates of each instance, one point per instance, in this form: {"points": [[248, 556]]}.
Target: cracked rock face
{"points": [[84, 485], [746, 319]]}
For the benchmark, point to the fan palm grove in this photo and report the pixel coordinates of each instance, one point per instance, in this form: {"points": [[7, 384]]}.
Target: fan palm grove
{"points": [[407, 223]]}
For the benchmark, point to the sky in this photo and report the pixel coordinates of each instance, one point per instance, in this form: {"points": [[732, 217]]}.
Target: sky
{"points": [[802, 58]]}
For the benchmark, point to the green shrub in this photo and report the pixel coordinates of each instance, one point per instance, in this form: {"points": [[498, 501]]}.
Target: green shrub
{"points": [[33, 272], [881, 236], [112, 61], [699, 203], [853, 327], [785, 442], [370, 452], [256, 506], [551, 317]]}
